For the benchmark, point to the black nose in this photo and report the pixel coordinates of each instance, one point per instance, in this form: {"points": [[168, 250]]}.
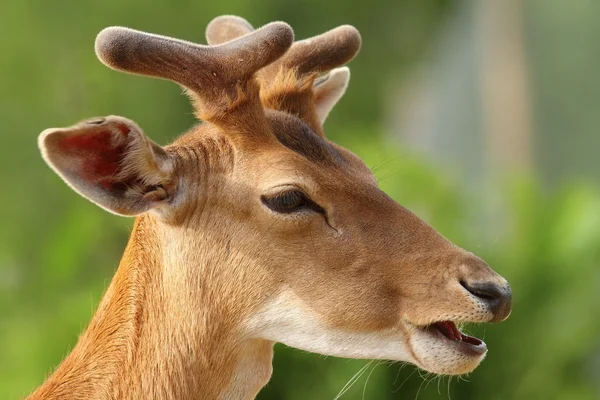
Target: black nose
{"points": [[497, 297]]}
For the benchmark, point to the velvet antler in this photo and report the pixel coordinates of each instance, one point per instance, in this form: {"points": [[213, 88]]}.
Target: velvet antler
{"points": [[218, 78], [287, 84]]}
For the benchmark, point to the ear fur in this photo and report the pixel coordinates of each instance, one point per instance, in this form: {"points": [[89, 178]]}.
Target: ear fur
{"points": [[110, 162], [330, 90]]}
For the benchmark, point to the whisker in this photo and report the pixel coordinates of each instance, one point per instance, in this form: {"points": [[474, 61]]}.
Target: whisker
{"points": [[369, 376], [404, 381], [385, 162], [398, 374], [353, 380], [420, 386]]}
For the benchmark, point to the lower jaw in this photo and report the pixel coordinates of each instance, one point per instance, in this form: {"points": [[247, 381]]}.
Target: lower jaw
{"points": [[469, 349], [452, 360], [453, 357], [462, 368], [455, 338]]}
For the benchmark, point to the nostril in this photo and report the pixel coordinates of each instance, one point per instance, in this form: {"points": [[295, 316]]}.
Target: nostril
{"points": [[498, 298], [485, 291]]}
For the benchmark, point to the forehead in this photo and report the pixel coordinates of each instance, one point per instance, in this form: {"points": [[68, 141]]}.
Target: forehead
{"points": [[312, 152], [297, 136], [316, 159]]}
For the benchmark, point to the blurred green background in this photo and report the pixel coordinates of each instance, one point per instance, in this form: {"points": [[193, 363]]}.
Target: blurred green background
{"points": [[481, 116]]}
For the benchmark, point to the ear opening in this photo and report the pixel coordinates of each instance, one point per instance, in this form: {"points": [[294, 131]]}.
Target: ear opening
{"points": [[329, 91], [110, 162]]}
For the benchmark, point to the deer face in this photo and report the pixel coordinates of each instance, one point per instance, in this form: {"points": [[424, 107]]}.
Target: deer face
{"points": [[359, 275], [309, 250]]}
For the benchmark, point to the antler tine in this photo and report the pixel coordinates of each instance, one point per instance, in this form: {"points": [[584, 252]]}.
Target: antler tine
{"points": [[225, 28], [286, 84], [313, 55], [207, 71], [324, 52]]}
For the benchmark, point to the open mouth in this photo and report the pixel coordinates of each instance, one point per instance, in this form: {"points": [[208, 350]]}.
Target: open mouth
{"points": [[447, 330]]}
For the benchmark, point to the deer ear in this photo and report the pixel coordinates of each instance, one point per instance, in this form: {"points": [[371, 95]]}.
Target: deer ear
{"points": [[110, 162], [330, 90]]}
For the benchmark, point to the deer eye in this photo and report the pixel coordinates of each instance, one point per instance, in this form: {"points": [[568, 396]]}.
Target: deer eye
{"points": [[291, 201]]}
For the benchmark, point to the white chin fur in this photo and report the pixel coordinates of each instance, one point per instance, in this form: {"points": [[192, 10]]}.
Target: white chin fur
{"points": [[287, 320], [437, 356]]}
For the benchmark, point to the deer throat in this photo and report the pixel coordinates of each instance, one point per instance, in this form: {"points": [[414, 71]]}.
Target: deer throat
{"points": [[143, 343]]}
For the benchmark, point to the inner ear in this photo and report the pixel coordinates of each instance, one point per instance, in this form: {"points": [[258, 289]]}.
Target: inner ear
{"points": [[329, 91], [111, 162]]}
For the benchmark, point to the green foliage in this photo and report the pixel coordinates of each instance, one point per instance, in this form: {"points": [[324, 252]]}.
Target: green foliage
{"points": [[58, 252]]}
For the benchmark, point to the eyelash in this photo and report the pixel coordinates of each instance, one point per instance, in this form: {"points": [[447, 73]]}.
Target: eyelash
{"points": [[291, 201]]}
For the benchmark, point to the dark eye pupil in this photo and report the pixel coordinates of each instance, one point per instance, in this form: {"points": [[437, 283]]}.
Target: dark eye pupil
{"points": [[289, 202]]}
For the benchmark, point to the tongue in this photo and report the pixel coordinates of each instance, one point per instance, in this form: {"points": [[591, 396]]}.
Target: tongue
{"points": [[472, 340], [450, 330]]}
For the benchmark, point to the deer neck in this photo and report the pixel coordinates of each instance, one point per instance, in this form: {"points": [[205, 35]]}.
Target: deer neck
{"points": [[163, 331]]}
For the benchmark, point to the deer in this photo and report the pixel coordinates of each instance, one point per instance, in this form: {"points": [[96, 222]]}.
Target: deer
{"points": [[252, 228]]}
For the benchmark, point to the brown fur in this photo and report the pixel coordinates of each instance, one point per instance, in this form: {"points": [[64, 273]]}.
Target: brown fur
{"points": [[208, 256]]}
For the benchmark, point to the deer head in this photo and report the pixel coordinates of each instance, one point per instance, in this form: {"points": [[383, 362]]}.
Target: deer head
{"points": [[253, 226]]}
